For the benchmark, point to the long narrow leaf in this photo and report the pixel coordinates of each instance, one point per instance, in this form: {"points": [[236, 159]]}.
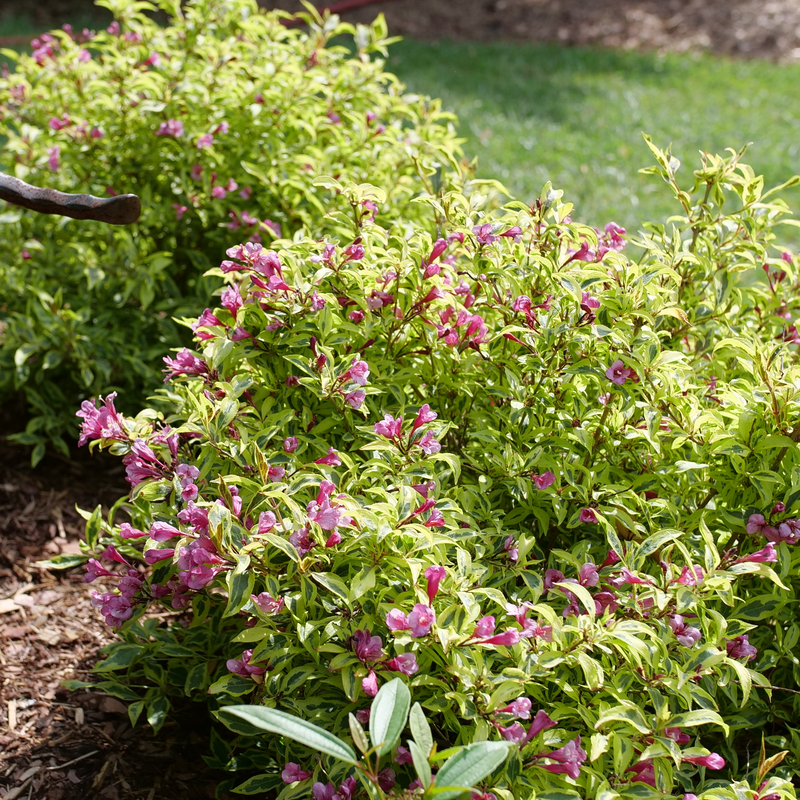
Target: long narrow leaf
{"points": [[388, 715]]}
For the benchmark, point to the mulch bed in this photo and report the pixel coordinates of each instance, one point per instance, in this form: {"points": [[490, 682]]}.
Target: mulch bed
{"points": [[55, 744], [741, 28]]}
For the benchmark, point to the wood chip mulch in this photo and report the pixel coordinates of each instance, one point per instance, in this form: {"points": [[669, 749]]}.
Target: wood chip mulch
{"points": [[56, 744]]}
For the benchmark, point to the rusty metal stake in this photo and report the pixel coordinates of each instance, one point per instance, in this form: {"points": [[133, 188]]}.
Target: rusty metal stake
{"points": [[121, 210]]}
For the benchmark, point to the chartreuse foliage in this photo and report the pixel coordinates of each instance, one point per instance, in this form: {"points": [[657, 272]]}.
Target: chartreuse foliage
{"points": [[549, 484], [220, 121]]}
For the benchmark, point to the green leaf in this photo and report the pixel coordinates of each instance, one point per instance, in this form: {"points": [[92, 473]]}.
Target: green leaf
{"points": [[259, 784], [691, 719], [630, 714], [420, 729], [240, 585], [93, 527], [470, 766], [421, 765], [122, 656], [333, 584], [278, 722], [388, 715], [64, 561]]}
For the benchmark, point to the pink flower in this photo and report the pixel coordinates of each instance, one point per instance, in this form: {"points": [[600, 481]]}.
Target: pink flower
{"points": [[153, 60], [421, 620], [370, 684], [54, 154], [434, 576], [429, 444], [206, 140], [405, 663], [403, 756], [100, 423], [292, 773], [57, 124], [544, 481], [389, 426], [677, 735], [358, 372], [302, 542], [266, 522], [483, 233], [396, 620], [541, 722], [756, 524], [520, 708], [218, 192], [113, 28], [514, 733], [96, 133], [740, 647], [355, 399], [172, 128], [589, 303], [766, 555], [551, 577], [588, 575], [485, 627], [241, 666], [179, 211], [163, 532], [504, 639], [268, 604], [643, 772], [691, 576], [711, 761], [84, 56], [356, 316], [568, 759], [588, 515], [685, 634], [127, 531], [435, 520], [424, 416], [605, 600], [366, 647], [618, 373], [330, 460], [290, 444], [509, 547], [184, 363]]}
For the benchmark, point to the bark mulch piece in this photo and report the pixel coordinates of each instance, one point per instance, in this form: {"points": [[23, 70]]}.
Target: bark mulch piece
{"points": [[55, 744]]}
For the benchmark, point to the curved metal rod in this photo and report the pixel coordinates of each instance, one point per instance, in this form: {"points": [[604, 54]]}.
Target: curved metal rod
{"points": [[123, 209]]}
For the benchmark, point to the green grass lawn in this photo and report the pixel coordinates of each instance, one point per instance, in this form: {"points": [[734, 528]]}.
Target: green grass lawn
{"points": [[574, 116]]}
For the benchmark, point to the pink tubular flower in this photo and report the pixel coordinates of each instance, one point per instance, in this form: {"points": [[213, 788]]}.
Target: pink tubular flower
{"points": [[435, 520], [551, 577], [618, 373], [740, 647], [766, 555], [588, 515], [505, 639], [406, 663], [266, 522], [355, 399], [268, 604], [605, 600], [302, 542], [511, 549], [711, 761], [94, 570], [403, 756], [241, 666], [366, 647], [163, 532], [54, 154], [116, 608], [293, 773], [429, 444], [421, 620], [685, 634], [513, 733], [184, 363], [370, 684], [485, 627], [172, 128], [358, 372], [543, 481], [434, 576], [483, 233], [100, 423], [179, 211], [568, 759], [232, 299], [206, 140], [520, 708], [541, 722], [396, 620], [290, 444], [330, 460], [218, 193], [691, 576], [643, 772], [127, 531], [389, 427], [424, 416]]}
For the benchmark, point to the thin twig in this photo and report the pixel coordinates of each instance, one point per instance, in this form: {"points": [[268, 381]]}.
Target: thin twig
{"points": [[76, 760]]}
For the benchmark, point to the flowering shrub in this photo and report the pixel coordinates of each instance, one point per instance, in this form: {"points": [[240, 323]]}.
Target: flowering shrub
{"points": [[220, 121], [546, 476]]}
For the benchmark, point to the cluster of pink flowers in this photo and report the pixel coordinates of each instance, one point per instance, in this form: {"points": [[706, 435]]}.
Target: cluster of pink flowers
{"points": [[775, 531], [474, 330], [101, 422], [392, 428], [115, 606]]}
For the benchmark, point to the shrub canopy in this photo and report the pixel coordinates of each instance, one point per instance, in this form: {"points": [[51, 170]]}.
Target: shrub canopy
{"points": [[546, 475], [220, 121]]}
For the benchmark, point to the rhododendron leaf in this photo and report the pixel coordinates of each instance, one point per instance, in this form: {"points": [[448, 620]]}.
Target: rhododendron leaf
{"points": [[287, 725], [469, 766], [388, 715], [420, 761]]}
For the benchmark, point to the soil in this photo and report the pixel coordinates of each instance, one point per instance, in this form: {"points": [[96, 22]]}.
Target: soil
{"points": [[56, 744], [740, 28]]}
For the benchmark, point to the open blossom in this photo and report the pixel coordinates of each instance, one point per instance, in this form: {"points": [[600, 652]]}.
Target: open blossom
{"points": [[520, 708], [292, 773], [406, 663], [396, 620], [513, 733], [355, 399], [588, 575], [485, 627], [551, 577], [302, 542], [172, 128], [504, 639], [116, 608], [685, 634], [100, 423], [54, 154], [241, 666], [788, 531], [691, 576], [511, 549], [366, 647], [206, 140], [389, 426], [740, 647], [421, 620], [543, 481], [424, 416], [618, 373], [290, 444], [370, 684], [330, 460], [358, 372], [266, 522], [644, 772], [184, 363], [267, 603], [429, 444], [568, 759], [588, 515], [483, 233]]}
